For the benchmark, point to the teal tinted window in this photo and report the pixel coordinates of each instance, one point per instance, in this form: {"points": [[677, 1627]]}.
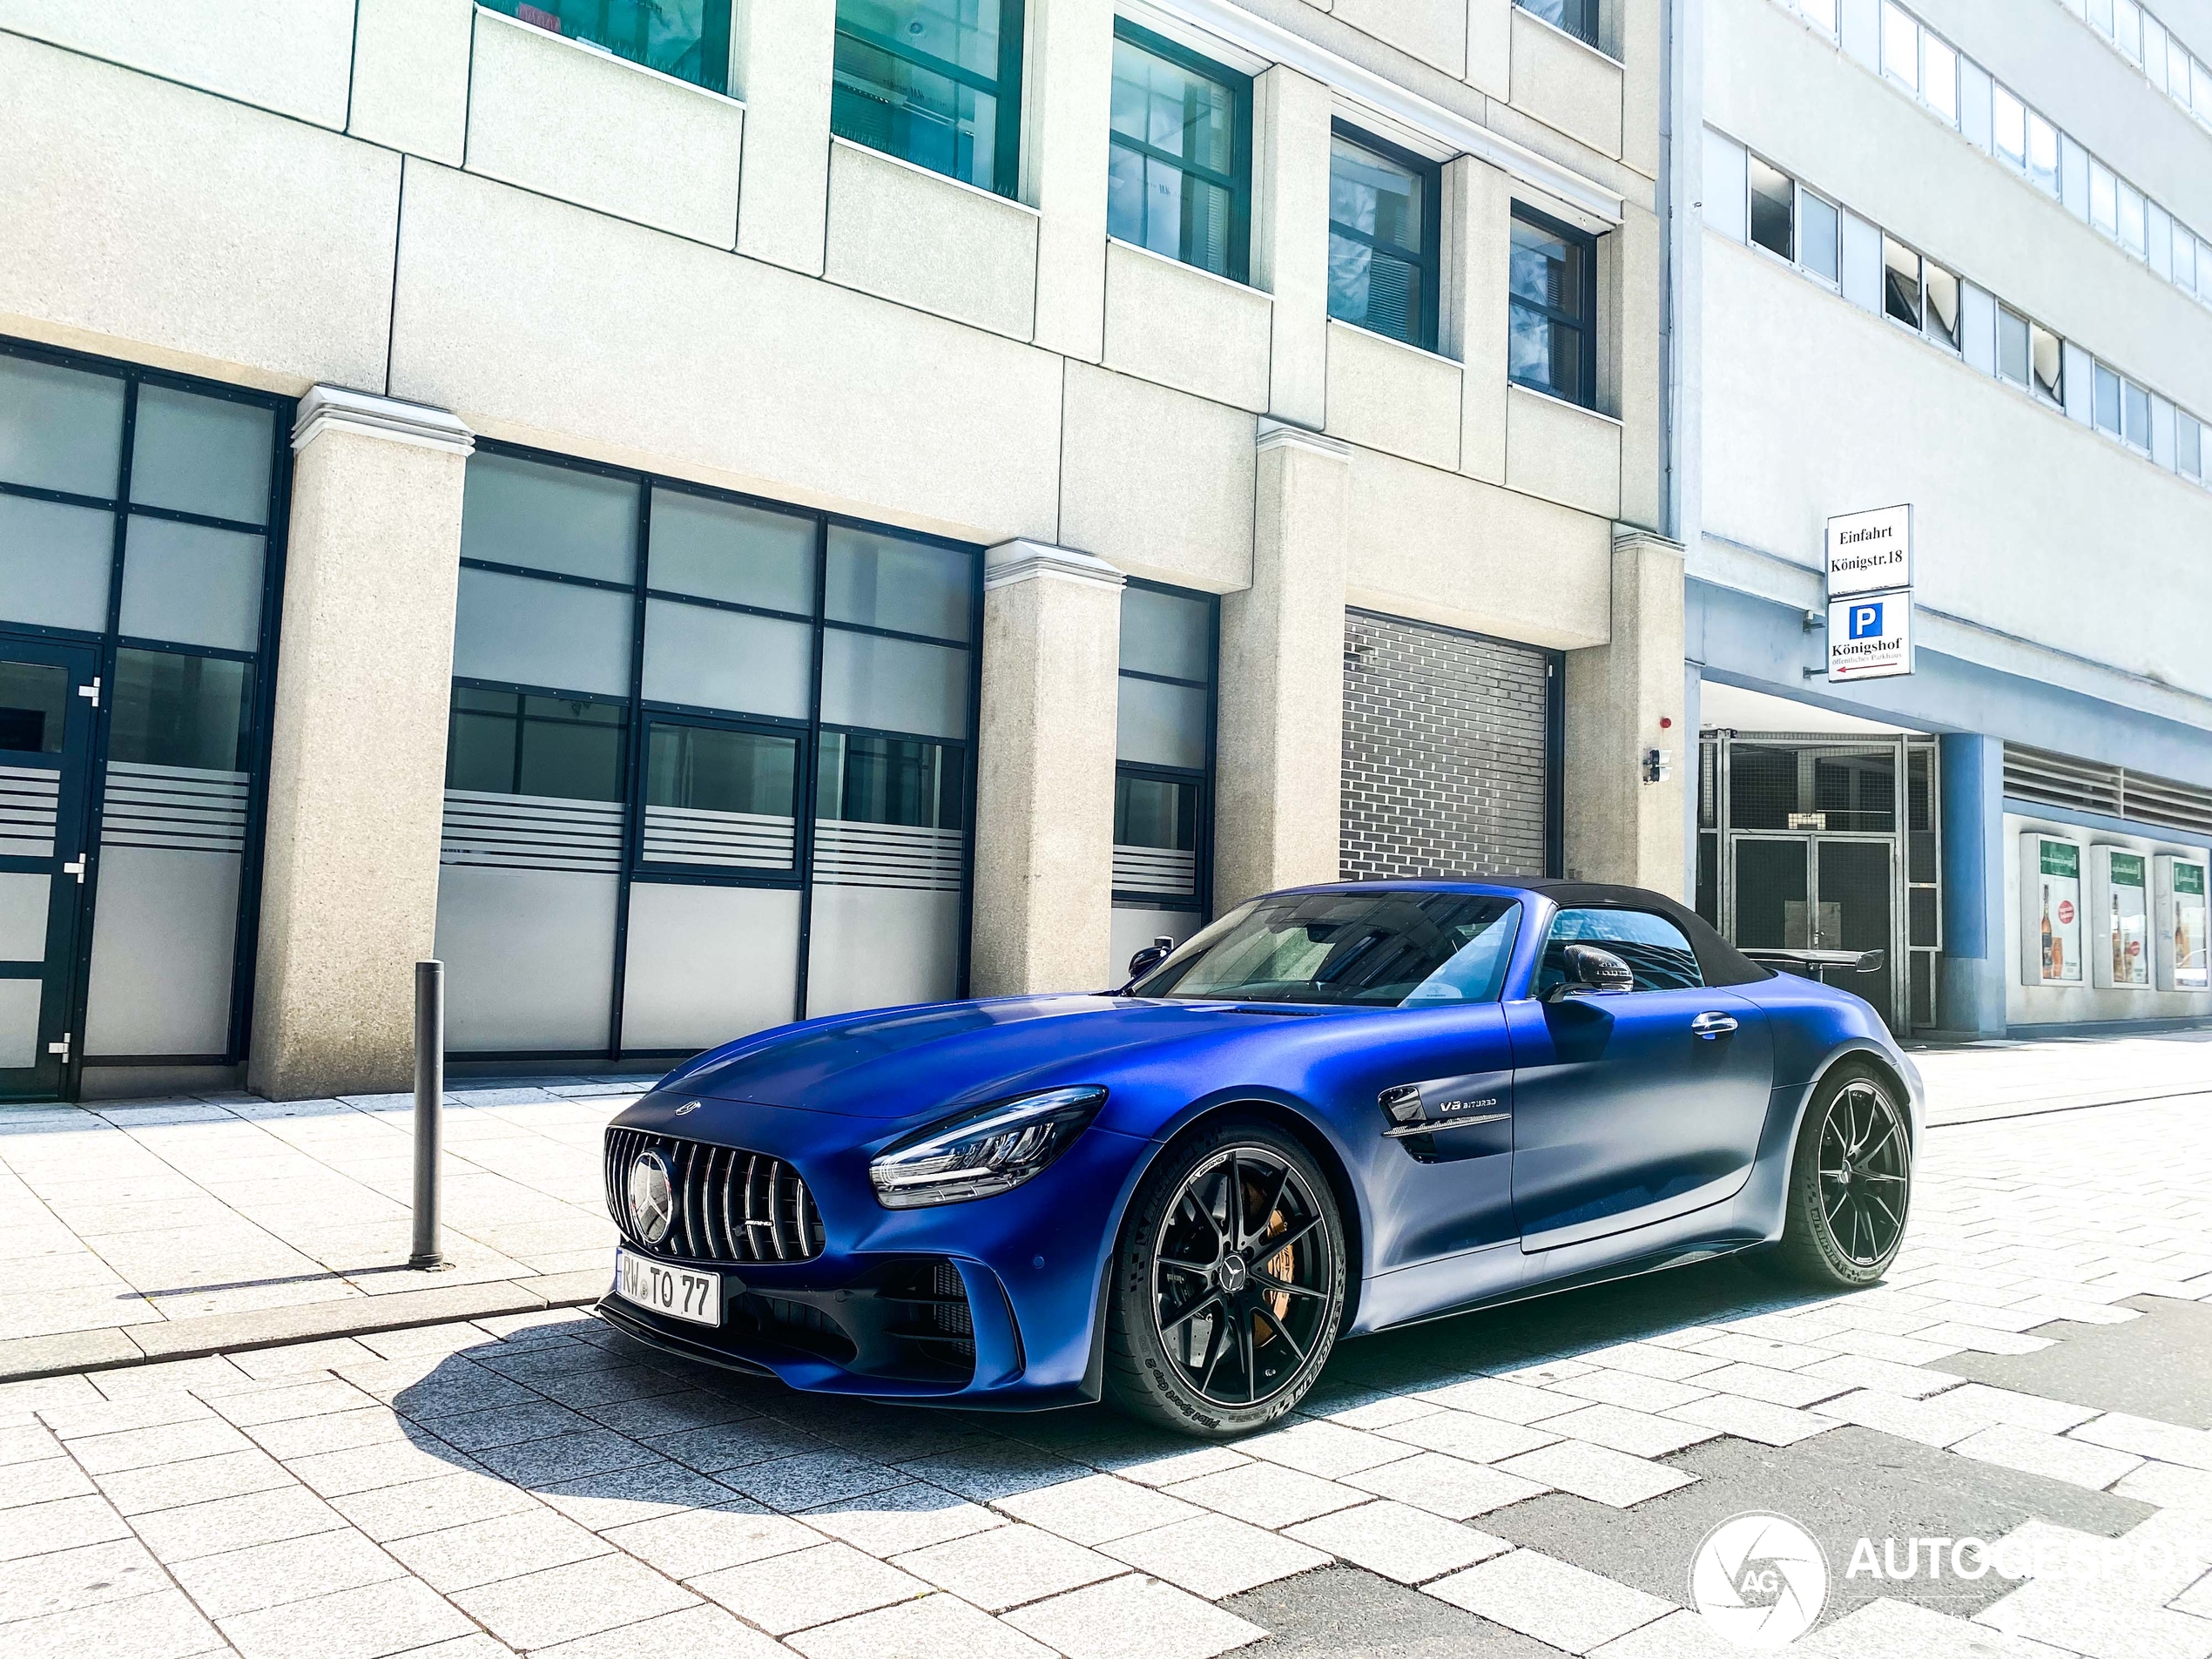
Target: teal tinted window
{"points": [[689, 39], [937, 82], [513, 743], [889, 780], [1179, 169], [1382, 239], [176, 710], [1553, 305], [708, 769]]}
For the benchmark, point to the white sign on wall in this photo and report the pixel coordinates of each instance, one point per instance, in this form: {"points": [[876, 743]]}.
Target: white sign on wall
{"points": [[2184, 950], [2120, 903], [1870, 635], [1870, 552], [2051, 928]]}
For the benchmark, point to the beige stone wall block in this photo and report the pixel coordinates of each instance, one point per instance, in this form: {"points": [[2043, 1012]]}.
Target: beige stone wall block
{"points": [[1571, 88], [1562, 452], [782, 54], [289, 55], [1393, 397], [1618, 827], [232, 242], [1190, 523], [1044, 783], [1637, 257], [1278, 746], [1071, 72], [1181, 327], [589, 128], [349, 894], [411, 76], [1434, 30], [932, 242], [1490, 46], [1476, 240], [1290, 246], [776, 384], [1440, 547], [1643, 61]]}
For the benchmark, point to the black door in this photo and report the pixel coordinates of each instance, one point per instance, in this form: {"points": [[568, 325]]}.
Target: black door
{"points": [[47, 694]]}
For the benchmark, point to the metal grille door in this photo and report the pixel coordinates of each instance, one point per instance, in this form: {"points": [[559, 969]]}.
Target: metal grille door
{"points": [[1449, 753]]}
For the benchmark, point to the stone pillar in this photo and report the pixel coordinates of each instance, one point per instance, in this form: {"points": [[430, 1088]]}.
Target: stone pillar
{"points": [[1975, 965], [1044, 780], [1290, 251], [782, 54], [1477, 249], [1619, 827], [1071, 65], [364, 674], [1279, 749]]}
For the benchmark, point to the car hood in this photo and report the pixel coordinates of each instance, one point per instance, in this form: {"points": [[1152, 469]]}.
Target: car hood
{"points": [[903, 1062]]}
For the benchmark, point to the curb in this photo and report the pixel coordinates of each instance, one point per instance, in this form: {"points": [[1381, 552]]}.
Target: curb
{"points": [[115, 1347]]}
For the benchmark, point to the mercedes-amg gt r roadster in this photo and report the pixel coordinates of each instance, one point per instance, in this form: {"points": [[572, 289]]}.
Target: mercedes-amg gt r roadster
{"points": [[1336, 1110]]}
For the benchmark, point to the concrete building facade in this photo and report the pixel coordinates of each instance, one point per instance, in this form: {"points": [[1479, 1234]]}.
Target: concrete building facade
{"points": [[699, 515]]}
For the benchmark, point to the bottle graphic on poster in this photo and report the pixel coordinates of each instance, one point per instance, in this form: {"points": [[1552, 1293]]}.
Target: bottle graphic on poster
{"points": [[2121, 973], [2047, 972]]}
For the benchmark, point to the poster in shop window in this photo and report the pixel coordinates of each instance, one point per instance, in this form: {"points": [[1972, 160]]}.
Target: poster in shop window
{"points": [[2179, 925], [2120, 906], [2050, 911]]}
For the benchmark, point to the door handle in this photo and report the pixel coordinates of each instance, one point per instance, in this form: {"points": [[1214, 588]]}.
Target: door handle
{"points": [[1709, 1026]]}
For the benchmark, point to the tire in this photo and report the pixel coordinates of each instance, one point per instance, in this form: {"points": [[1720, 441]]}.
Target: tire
{"points": [[1851, 1182], [1186, 1283]]}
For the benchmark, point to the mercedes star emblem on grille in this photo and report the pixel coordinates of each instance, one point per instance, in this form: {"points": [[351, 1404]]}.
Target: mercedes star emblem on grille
{"points": [[652, 1206]]}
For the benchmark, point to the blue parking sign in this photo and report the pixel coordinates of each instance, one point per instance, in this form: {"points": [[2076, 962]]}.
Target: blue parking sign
{"points": [[1866, 621]]}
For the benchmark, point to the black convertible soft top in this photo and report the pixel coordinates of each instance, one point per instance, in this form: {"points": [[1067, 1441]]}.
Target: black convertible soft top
{"points": [[1719, 961]]}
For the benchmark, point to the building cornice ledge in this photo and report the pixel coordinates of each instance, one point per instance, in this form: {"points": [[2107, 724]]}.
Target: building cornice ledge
{"points": [[1024, 561], [1276, 435], [327, 408]]}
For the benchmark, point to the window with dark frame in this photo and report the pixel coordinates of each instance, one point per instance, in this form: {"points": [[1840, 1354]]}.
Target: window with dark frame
{"points": [[1551, 340], [937, 82], [1900, 282], [1383, 237], [1576, 18], [1773, 204], [1179, 158], [691, 43], [1164, 749]]}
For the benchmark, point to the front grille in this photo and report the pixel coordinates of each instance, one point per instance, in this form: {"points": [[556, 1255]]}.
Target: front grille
{"points": [[731, 1205]]}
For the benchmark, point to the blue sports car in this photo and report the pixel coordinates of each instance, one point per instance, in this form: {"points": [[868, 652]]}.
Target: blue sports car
{"points": [[1336, 1110]]}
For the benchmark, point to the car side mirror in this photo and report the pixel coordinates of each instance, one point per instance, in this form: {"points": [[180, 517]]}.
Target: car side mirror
{"points": [[1592, 972], [1150, 957]]}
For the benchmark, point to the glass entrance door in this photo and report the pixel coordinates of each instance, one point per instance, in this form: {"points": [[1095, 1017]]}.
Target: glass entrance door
{"points": [[48, 693], [1815, 891]]}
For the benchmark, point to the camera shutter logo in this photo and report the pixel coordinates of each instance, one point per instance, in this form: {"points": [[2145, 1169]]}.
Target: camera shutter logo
{"points": [[1759, 1579]]}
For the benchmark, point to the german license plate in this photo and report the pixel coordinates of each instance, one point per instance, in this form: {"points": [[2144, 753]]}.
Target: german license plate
{"points": [[678, 1293]]}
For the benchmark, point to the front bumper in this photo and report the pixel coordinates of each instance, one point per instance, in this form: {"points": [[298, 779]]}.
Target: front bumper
{"points": [[985, 1303]]}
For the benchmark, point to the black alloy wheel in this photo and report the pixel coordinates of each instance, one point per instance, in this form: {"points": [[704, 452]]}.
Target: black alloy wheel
{"points": [[1229, 1283], [1851, 1182]]}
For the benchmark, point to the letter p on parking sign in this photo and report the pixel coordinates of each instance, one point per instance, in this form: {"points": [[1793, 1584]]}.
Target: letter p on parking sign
{"points": [[1870, 635], [1866, 620]]}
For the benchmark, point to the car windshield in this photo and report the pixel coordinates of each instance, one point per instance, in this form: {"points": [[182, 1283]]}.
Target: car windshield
{"points": [[1403, 950]]}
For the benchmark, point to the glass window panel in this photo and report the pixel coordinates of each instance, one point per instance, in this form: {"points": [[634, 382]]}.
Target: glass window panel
{"points": [[1376, 195], [1939, 77], [162, 942], [1166, 633], [2184, 260], [2100, 16], [2049, 355], [202, 455], [2042, 153], [2104, 199], [880, 947], [1773, 196], [1376, 289], [708, 769], [2011, 346], [33, 707], [175, 709], [893, 685], [1900, 45], [530, 958], [511, 743], [2009, 123], [689, 39], [721, 550], [528, 632], [706, 965], [2189, 439], [864, 780], [883, 581], [1900, 282], [1942, 306], [2128, 19], [60, 428], [891, 102], [1189, 122], [192, 584], [1173, 109], [726, 659], [1155, 812], [2132, 232], [54, 563], [1378, 227], [2135, 407], [1161, 725], [2108, 407], [1817, 238], [1546, 278], [550, 518]]}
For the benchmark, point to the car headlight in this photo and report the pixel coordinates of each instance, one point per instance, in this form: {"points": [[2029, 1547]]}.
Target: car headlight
{"points": [[990, 1150]]}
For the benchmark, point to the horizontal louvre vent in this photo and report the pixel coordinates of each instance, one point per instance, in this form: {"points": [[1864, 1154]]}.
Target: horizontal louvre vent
{"points": [[741, 840], [848, 855], [531, 831], [177, 808], [29, 799], [2052, 779], [731, 1205], [1156, 869]]}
